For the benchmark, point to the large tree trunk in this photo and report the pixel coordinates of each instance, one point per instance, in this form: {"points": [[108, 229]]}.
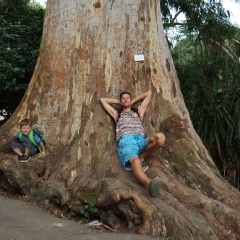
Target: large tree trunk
{"points": [[87, 52]]}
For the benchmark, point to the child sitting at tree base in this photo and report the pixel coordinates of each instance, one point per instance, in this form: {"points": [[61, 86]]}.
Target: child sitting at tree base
{"points": [[27, 142]]}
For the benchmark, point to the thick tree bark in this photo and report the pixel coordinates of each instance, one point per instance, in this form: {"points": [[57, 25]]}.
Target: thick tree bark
{"points": [[87, 52]]}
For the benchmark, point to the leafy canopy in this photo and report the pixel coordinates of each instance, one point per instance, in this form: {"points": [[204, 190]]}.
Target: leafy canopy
{"points": [[20, 35]]}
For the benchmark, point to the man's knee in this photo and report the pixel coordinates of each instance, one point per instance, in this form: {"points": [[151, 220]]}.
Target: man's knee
{"points": [[160, 139]]}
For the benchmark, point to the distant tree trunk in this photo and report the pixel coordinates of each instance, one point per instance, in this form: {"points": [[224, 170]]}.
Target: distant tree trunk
{"points": [[87, 52]]}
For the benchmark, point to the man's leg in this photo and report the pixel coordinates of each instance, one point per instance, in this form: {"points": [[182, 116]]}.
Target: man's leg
{"points": [[138, 171], [153, 185], [154, 143]]}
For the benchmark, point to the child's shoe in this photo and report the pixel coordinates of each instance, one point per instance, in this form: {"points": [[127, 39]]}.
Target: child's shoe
{"points": [[20, 157], [24, 158]]}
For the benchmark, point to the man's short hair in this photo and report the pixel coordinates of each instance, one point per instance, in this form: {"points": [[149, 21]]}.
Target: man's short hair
{"points": [[122, 93], [25, 122]]}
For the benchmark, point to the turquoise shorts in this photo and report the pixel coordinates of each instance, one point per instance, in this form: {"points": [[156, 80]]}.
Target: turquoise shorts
{"points": [[130, 146]]}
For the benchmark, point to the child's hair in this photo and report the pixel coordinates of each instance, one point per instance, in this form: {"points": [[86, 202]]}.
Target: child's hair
{"points": [[122, 93], [25, 122]]}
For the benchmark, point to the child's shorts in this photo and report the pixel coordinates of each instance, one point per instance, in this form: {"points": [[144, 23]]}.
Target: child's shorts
{"points": [[130, 146]]}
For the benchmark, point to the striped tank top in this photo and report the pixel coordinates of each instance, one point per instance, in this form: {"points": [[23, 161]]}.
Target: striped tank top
{"points": [[129, 123]]}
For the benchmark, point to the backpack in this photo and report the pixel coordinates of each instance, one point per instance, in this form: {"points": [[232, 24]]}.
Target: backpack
{"points": [[34, 131], [120, 110]]}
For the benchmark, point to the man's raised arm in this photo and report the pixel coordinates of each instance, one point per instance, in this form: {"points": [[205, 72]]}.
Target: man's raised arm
{"points": [[106, 103], [145, 98]]}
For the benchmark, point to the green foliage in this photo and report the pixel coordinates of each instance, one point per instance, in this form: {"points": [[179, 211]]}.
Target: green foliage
{"points": [[89, 210], [209, 20], [20, 35], [210, 83]]}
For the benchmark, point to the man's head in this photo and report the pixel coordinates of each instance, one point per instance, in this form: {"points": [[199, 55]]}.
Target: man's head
{"points": [[125, 99], [123, 93], [25, 126]]}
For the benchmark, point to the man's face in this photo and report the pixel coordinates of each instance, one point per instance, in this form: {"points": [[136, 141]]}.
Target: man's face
{"points": [[125, 101], [25, 129]]}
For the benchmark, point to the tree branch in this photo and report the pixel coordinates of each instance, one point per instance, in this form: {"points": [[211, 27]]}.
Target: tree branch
{"points": [[224, 48]]}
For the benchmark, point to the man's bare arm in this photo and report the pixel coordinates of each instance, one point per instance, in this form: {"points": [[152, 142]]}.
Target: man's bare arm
{"points": [[145, 98], [106, 103]]}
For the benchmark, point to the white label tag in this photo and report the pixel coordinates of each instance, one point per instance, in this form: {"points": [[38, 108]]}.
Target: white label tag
{"points": [[138, 58]]}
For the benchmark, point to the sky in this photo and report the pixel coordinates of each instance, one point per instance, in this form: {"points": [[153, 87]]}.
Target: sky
{"points": [[42, 2], [234, 9], [230, 5]]}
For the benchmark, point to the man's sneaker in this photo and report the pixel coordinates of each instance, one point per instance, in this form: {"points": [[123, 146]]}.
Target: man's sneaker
{"points": [[24, 158]]}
